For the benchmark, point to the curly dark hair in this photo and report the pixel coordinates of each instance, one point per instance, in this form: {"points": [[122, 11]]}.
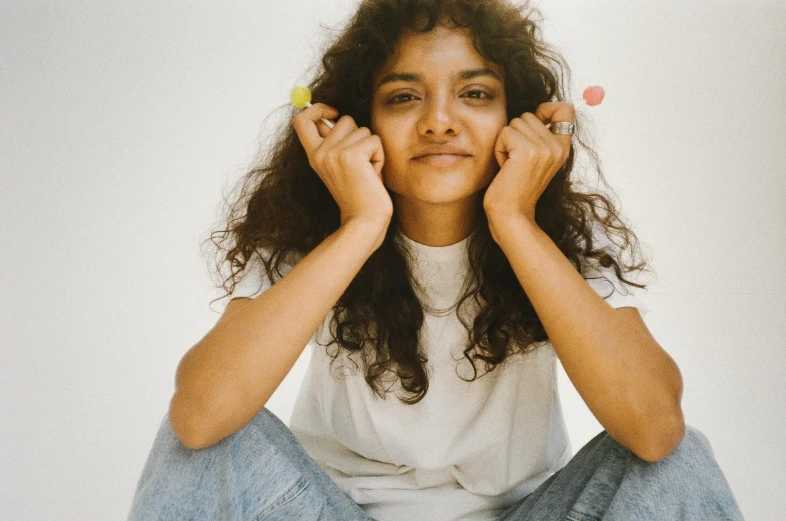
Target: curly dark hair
{"points": [[285, 210]]}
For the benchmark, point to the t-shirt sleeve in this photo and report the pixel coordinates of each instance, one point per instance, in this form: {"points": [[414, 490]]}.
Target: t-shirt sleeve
{"points": [[606, 283], [253, 281], [615, 292]]}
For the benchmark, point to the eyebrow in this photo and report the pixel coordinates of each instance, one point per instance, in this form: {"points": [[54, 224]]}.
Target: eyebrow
{"points": [[413, 78]]}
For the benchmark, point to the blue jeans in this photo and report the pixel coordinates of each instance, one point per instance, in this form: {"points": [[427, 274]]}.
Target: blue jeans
{"points": [[262, 473]]}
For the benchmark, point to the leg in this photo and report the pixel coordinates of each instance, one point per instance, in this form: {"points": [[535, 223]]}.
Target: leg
{"points": [[606, 481], [259, 473]]}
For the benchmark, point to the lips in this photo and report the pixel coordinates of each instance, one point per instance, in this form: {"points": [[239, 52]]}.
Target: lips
{"points": [[440, 150], [441, 159], [441, 155]]}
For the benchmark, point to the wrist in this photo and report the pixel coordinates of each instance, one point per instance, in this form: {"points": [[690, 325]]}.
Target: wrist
{"points": [[371, 230], [503, 227]]}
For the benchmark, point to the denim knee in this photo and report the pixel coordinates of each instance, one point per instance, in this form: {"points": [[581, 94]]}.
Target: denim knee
{"points": [[697, 438], [269, 425], [257, 469], [695, 443], [273, 432], [264, 429]]}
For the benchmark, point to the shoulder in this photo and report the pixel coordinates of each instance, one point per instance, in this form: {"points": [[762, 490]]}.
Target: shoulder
{"points": [[604, 279], [253, 279]]}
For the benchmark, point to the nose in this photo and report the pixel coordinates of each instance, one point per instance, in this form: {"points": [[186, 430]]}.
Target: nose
{"points": [[438, 118]]}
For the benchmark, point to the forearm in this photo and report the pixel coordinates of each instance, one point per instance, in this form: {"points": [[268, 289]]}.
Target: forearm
{"points": [[631, 385], [227, 377]]}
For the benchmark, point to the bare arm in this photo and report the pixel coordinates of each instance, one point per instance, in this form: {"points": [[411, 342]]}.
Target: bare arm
{"points": [[629, 382], [224, 380]]}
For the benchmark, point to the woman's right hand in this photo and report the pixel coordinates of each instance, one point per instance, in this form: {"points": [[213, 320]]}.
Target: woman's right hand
{"points": [[349, 161]]}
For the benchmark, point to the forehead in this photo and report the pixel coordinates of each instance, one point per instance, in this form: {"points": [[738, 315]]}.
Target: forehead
{"points": [[435, 52]]}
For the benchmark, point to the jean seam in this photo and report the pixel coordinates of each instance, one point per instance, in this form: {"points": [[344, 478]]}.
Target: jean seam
{"points": [[575, 515], [291, 493]]}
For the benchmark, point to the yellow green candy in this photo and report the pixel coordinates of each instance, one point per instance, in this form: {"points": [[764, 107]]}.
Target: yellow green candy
{"points": [[300, 97]]}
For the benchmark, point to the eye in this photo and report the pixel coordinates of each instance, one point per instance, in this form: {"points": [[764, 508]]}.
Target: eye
{"points": [[478, 94], [400, 98]]}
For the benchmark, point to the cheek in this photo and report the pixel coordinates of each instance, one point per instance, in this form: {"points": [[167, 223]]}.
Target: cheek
{"points": [[392, 147], [491, 133]]}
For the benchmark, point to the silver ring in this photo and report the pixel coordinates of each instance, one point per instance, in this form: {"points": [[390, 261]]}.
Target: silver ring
{"points": [[563, 128]]}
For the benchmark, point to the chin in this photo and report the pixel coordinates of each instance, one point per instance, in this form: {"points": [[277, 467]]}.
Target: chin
{"points": [[440, 194], [440, 186]]}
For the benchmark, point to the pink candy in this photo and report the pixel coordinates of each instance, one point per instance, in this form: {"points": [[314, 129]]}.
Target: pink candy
{"points": [[593, 95]]}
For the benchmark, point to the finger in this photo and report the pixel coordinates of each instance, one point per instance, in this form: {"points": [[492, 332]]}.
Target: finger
{"points": [[556, 111], [323, 128], [343, 127], [559, 144], [503, 145], [305, 124], [377, 153], [354, 136], [526, 127], [367, 145]]}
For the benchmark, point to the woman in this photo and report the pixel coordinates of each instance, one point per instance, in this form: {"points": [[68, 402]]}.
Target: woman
{"points": [[432, 250]]}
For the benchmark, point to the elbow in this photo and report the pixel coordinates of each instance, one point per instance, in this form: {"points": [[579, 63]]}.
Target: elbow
{"points": [[192, 427], [664, 442], [183, 427], [663, 437], [188, 441]]}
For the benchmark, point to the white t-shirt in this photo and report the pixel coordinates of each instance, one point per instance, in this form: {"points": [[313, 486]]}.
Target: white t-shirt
{"points": [[467, 450]]}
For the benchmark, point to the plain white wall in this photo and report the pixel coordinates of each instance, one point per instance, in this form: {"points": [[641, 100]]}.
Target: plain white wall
{"points": [[122, 123]]}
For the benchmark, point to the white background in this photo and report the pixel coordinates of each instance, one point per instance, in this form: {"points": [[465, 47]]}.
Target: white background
{"points": [[122, 123]]}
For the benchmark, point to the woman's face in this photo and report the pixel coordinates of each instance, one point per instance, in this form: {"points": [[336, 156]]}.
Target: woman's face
{"points": [[438, 107]]}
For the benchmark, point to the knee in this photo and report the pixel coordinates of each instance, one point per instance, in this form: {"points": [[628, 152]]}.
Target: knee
{"points": [[264, 428], [693, 452], [695, 441], [267, 425], [265, 418]]}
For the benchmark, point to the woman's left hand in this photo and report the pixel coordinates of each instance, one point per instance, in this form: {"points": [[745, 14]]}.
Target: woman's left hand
{"points": [[529, 155]]}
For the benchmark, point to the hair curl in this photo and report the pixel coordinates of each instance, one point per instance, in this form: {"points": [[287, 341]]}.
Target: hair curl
{"points": [[285, 210]]}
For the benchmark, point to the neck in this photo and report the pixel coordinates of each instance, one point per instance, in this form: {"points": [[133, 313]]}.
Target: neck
{"points": [[437, 224]]}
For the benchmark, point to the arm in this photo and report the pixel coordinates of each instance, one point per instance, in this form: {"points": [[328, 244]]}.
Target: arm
{"points": [[224, 380], [631, 385]]}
